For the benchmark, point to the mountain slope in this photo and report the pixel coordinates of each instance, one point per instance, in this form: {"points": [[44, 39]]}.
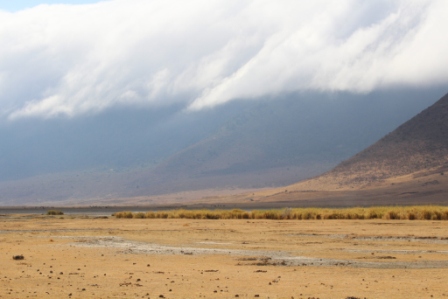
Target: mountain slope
{"points": [[281, 141], [419, 144], [129, 154], [407, 166]]}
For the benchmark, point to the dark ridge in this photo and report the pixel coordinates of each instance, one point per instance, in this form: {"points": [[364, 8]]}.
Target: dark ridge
{"points": [[419, 144]]}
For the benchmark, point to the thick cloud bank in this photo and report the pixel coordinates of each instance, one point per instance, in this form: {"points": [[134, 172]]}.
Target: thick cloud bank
{"points": [[69, 60]]}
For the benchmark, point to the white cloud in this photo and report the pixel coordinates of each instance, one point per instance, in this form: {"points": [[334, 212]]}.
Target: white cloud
{"points": [[69, 60]]}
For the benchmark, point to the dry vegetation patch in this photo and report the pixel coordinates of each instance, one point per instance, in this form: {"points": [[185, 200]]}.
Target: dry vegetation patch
{"points": [[389, 213]]}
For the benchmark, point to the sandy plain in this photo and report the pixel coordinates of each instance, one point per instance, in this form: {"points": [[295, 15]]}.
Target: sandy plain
{"points": [[97, 257]]}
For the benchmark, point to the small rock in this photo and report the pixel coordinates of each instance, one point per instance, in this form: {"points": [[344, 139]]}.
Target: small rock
{"points": [[18, 257]]}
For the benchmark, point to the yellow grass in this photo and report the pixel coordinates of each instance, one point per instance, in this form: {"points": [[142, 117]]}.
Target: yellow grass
{"points": [[389, 213]]}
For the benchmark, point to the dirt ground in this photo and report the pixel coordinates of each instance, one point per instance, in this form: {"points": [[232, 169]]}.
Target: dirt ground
{"points": [[88, 257]]}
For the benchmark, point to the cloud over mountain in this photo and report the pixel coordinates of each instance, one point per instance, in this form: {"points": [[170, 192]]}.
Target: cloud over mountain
{"points": [[80, 59]]}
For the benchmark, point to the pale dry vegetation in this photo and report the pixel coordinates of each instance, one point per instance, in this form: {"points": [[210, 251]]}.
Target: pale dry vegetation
{"points": [[55, 212], [389, 213]]}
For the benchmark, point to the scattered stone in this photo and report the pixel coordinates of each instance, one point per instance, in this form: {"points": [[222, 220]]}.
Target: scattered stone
{"points": [[18, 257]]}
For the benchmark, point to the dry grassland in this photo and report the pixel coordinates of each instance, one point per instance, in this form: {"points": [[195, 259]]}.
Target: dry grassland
{"points": [[68, 257], [388, 213]]}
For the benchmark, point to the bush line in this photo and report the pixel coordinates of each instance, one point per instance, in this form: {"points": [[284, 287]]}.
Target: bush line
{"points": [[55, 212], [388, 213]]}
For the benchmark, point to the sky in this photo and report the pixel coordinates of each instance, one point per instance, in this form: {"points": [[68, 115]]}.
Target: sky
{"points": [[83, 57], [16, 5]]}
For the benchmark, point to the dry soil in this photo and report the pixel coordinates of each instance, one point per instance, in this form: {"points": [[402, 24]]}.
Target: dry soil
{"points": [[86, 257]]}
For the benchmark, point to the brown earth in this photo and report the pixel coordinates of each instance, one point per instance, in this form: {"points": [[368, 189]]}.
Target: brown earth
{"points": [[423, 187], [417, 145], [420, 188], [67, 257]]}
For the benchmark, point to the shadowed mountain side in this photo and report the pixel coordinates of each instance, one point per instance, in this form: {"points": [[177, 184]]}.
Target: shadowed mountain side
{"points": [[420, 144], [118, 139], [251, 144], [407, 166], [307, 133]]}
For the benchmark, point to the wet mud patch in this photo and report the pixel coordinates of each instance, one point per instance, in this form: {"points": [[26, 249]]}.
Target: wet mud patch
{"points": [[254, 257]]}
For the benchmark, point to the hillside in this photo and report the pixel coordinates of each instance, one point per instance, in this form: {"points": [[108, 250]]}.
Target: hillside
{"points": [[278, 142], [407, 166], [419, 144], [127, 156]]}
